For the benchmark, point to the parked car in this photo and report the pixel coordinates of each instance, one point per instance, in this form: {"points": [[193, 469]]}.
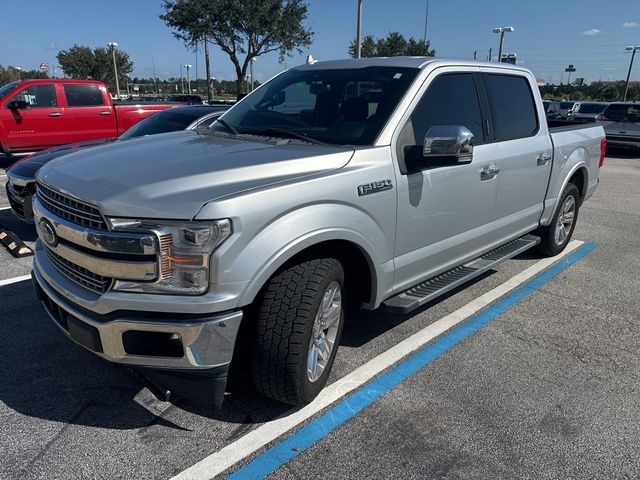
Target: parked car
{"points": [[621, 121], [188, 99], [389, 181], [587, 111], [565, 108], [552, 109], [21, 186], [39, 114]]}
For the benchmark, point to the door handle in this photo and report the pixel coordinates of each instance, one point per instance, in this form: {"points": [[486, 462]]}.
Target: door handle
{"points": [[543, 159], [488, 172], [55, 114], [104, 113]]}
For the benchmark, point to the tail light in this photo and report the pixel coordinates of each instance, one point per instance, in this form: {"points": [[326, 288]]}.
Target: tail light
{"points": [[603, 150]]}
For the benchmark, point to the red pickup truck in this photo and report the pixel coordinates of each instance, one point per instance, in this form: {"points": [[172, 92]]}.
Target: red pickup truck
{"points": [[38, 114]]}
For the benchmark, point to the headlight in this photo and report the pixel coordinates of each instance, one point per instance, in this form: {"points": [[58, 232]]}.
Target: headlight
{"points": [[183, 260]]}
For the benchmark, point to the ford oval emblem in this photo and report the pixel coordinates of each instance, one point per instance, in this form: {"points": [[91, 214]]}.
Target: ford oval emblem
{"points": [[48, 233]]}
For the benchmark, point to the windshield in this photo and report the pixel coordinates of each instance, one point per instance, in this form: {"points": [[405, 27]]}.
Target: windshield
{"points": [[162, 122], [335, 106], [591, 108], [7, 88]]}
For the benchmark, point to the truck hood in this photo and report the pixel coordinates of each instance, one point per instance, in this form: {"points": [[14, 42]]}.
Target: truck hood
{"points": [[173, 175]]}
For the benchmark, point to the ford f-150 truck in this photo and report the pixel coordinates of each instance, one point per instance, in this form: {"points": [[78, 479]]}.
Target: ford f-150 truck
{"points": [[369, 182], [38, 114]]}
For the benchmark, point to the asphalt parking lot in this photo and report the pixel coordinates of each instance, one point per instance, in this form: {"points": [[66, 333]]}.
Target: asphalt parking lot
{"points": [[547, 386]]}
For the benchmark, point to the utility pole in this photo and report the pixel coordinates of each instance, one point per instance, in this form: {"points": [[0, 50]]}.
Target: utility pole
{"points": [[181, 80], [206, 61], [251, 71], [633, 54], [489, 57], [475, 53], [113, 46], [155, 82], [426, 20], [359, 31]]}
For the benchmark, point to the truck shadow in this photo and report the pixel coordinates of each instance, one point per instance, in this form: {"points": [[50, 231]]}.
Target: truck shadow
{"points": [[26, 232], [44, 375]]}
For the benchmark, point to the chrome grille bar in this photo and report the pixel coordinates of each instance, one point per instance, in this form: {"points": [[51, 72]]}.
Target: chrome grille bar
{"points": [[78, 274], [71, 209]]}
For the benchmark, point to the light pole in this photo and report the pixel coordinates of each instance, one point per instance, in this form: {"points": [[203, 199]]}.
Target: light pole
{"points": [[18, 69], [501, 31], [359, 31], [113, 46], [633, 54], [188, 67], [251, 71]]}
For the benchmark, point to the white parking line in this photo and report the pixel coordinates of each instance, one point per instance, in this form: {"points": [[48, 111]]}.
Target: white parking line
{"points": [[218, 462], [9, 281]]}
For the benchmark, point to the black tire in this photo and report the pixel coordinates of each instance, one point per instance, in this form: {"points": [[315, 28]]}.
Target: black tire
{"points": [[550, 245], [284, 331]]}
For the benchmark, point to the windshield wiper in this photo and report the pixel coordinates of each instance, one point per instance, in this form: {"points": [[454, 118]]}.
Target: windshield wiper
{"points": [[283, 132], [227, 126]]}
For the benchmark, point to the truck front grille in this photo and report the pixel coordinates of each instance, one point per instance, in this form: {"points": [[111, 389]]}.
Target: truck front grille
{"points": [[71, 209], [78, 274]]}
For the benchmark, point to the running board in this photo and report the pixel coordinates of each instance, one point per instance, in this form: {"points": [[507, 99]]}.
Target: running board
{"points": [[426, 291]]}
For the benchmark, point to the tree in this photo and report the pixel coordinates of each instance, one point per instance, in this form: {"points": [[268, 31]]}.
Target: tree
{"points": [[394, 44], [11, 74], [248, 28], [84, 63]]}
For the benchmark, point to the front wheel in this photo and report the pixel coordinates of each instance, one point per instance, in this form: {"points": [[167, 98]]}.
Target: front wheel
{"points": [[298, 330], [557, 234]]}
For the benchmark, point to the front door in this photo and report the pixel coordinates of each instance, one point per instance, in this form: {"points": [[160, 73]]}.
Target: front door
{"points": [[445, 213], [38, 126]]}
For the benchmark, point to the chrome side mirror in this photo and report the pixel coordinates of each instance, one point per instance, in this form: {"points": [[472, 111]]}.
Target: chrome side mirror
{"points": [[449, 141]]}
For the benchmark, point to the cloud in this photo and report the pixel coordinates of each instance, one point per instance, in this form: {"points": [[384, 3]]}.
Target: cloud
{"points": [[52, 46], [592, 33], [631, 24]]}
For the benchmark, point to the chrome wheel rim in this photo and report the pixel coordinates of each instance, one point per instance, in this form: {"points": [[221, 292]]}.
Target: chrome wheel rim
{"points": [[565, 220], [325, 331]]}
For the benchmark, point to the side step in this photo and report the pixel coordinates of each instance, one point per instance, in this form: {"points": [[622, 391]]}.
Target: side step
{"points": [[426, 291]]}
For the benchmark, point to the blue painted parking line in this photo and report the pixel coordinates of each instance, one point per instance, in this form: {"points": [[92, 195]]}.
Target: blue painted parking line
{"points": [[289, 448]]}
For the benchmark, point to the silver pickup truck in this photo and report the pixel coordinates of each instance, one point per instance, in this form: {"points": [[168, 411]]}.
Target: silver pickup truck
{"points": [[385, 181]]}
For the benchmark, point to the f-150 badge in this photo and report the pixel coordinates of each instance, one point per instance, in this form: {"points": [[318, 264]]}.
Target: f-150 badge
{"points": [[374, 187]]}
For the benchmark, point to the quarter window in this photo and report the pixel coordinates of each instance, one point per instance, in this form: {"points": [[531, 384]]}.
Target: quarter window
{"points": [[88, 95], [512, 107], [38, 96]]}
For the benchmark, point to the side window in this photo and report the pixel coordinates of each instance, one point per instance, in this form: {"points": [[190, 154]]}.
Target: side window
{"points": [[87, 95], [38, 96], [512, 106], [451, 99]]}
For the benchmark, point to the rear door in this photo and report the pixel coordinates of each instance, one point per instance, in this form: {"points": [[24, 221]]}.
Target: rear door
{"points": [[38, 126], [518, 130], [88, 114]]}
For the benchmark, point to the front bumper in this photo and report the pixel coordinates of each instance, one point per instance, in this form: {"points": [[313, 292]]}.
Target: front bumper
{"points": [[166, 341], [20, 197]]}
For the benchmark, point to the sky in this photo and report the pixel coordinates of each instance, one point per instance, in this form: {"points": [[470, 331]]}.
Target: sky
{"points": [[548, 36]]}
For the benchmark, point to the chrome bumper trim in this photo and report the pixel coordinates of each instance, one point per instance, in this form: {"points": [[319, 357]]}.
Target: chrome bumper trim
{"points": [[207, 343]]}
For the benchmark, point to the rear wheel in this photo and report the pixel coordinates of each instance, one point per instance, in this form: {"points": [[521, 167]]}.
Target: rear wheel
{"points": [[557, 234], [298, 330]]}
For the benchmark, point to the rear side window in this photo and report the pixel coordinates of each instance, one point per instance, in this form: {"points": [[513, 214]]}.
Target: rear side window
{"points": [[83, 95], [512, 106]]}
